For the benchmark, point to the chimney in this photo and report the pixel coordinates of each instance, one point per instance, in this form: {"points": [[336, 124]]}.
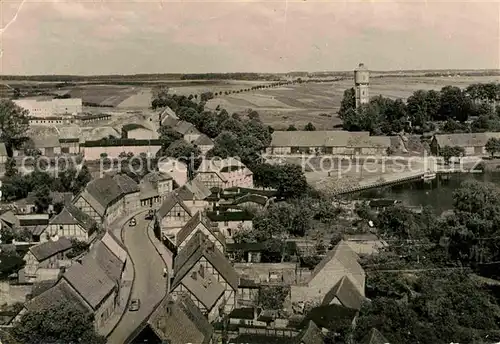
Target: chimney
{"points": [[201, 272], [194, 275]]}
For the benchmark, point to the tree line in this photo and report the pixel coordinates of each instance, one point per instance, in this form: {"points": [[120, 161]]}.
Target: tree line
{"points": [[452, 107]]}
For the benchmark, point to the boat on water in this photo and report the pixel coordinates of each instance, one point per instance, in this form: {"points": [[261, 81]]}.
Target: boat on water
{"points": [[429, 175]]}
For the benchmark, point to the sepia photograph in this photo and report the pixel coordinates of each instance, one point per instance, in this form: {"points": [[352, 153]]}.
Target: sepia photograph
{"points": [[249, 172]]}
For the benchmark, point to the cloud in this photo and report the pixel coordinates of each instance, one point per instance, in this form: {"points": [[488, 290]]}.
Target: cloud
{"points": [[173, 36]]}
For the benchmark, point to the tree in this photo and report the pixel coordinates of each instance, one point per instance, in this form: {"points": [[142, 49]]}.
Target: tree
{"points": [[476, 214], [42, 198], [14, 122], [253, 115], [309, 127], [58, 207], [291, 181], [205, 96], [448, 152], [348, 102], [185, 152], [11, 262], [291, 127], [58, 323], [493, 146], [273, 297], [454, 104], [10, 167]]}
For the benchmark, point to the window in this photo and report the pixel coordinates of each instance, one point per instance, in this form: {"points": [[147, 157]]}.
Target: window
{"points": [[178, 214]]}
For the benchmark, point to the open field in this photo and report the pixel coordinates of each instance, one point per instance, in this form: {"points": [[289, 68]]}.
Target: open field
{"points": [[102, 94], [279, 107], [319, 102]]}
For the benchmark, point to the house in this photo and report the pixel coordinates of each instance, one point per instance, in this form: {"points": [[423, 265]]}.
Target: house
{"points": [[168, 118], [8, 219], [248, 292], [195, 195], [202, 271], [96, 281], [71, 223], [175, 322], [199, 223], [187, 130], [138, 132], [367, 145], [245, 252], [108, 197], [47, 146], [365, 244], [374, 337], [43, 261], [339, 262], [115, 247], [155, 186], [332, 317], [204, 143], [226, 173], [315, 142], [176, 169], [231, 222], [91, 284], [172, 215], [59, 293], [472, 143], [92, 118], [35, 223], [311, 334], [69, 145], [344, 293], [27, 205]]}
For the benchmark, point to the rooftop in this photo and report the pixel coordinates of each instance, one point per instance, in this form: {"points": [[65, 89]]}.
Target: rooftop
{"points": [[71, 215], [200, 246], [90, 281], [180, 322], [50, 248]]}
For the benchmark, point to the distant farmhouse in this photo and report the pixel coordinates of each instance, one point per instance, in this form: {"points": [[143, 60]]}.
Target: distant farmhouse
{"points": [[472, 143], [328, 142]]}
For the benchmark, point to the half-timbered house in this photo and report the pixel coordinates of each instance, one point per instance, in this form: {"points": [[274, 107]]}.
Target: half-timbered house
{"points": [[199, 223], [203, 272], [172, 215], [71, 223], [46, 259]]}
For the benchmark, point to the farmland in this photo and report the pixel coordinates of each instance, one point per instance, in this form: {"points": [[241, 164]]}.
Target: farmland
{"points": [[279, 107], [319, 102]]}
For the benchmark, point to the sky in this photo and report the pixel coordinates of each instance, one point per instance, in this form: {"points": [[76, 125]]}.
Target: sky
{"points": [[91, 37]]}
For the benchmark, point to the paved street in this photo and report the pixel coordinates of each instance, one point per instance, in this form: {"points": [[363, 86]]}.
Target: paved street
{"points": [[149, 284]]}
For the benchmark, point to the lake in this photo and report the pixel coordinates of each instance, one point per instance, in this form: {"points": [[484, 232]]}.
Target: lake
{"points": [[437, 193]]}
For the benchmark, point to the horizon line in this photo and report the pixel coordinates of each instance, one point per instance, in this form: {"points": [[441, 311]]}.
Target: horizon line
{"points": [[250, 73]]}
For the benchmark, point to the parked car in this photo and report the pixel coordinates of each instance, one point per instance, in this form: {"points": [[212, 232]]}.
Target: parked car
{"points": [[132, 222], [134, 306], [150, 215]]}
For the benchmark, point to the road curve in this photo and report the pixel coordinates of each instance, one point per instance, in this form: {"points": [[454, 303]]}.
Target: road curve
{"points": [[149, 285]]}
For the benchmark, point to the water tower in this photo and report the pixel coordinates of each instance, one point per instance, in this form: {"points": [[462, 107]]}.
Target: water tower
{"points": [[361, 84]]}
